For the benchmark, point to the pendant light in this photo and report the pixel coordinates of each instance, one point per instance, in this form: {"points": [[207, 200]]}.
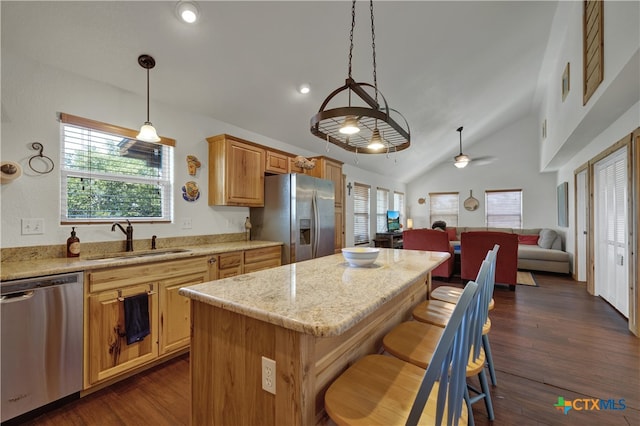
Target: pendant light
{"points": [[368, 127], [461, 160], [147, 131]]}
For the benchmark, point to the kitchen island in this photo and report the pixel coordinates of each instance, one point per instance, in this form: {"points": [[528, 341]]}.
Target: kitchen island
{"points": [[314, 318]]}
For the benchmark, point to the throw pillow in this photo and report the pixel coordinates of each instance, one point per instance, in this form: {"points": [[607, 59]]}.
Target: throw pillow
{"points": [[547, 237], [452, 234], [531, 240]]}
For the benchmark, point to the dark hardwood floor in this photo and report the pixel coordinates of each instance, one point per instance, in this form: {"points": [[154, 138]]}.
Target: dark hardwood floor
{"points": [[549, 341]]}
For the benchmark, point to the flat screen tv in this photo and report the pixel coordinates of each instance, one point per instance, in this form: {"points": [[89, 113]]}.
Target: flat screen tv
{"points": [[393, 221]]}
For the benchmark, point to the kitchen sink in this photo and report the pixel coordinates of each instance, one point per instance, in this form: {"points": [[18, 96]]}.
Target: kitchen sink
{"points": [[135, 254]]}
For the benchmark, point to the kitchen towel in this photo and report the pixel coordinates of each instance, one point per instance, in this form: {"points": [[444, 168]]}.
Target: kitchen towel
{"points": [[136, 317]]}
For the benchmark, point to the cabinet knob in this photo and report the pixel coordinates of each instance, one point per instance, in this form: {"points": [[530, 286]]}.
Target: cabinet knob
{"points": [[212, 260]]}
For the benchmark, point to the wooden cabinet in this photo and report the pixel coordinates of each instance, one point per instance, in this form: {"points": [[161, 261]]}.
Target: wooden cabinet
{"points": [[226, 265], [262, 258], [107, 354], [174, 315], [293, 168], [276, 162], [236, 172], [230, 264], [327, 168]]}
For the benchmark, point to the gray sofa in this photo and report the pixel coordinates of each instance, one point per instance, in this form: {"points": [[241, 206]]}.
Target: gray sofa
{"points": [[547, 255]]}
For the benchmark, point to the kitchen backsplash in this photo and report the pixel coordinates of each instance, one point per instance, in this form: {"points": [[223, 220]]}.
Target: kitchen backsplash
{"points": [[16, 254]]}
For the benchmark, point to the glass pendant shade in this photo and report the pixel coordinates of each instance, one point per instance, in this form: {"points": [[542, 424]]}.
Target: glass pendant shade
{"points": [[461, 161], [350, 126], [376, 141], [148, 133]]}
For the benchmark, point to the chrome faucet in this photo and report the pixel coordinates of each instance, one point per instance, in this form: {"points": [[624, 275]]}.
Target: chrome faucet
{"points": [[128, 233]]}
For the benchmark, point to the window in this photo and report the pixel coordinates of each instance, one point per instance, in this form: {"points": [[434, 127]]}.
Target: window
{"points": [[398, 204], [592, 47], [444, 206], [108, 175], [382, 205], [361, 213], [504, 208]]}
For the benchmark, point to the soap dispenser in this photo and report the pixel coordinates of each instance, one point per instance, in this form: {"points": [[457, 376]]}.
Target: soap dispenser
{"points": [[73, 244]]}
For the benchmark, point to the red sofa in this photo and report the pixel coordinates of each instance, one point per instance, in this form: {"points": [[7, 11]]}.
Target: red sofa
{"points": [[474, 247], [430, 240]]}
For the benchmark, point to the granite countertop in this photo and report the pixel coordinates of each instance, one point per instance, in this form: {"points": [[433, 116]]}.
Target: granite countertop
{"points": [[40, 267], [321, 297]]}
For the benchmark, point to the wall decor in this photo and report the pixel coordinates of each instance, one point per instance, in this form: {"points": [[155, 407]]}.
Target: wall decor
{"points": [[471, 204], [40, 163], [563, 201], [193, 164], [190, 191], [565, 82]]}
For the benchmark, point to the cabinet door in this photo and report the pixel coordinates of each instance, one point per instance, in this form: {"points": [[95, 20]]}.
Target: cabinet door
{"points": [[338, 230], [109, 353], [175, 316], [276, 162], [333, 172], [244, 180]]}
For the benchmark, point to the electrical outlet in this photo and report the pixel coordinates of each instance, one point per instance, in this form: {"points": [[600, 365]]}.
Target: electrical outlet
{"points": [[32, 226], [269, 375], [186, 223]]}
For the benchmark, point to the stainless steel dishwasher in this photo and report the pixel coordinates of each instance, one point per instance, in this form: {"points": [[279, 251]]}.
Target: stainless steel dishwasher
{"points": [[41, 341]]}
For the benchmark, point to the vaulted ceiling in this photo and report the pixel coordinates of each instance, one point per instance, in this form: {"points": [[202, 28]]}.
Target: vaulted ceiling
{"points": [[441, 64]]}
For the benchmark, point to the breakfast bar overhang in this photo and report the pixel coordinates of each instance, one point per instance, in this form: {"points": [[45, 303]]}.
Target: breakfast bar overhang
{"points": [[314, 318]]}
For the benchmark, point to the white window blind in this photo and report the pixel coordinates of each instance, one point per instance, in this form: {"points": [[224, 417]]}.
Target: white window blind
{"points": [[444, 206], [382, 205], [361, 213], [398, 204], [503, 208], [107, 175]]}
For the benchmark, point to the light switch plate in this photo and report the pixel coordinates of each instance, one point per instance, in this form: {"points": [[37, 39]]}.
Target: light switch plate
{"points": [[186, 223], [32, 226]]}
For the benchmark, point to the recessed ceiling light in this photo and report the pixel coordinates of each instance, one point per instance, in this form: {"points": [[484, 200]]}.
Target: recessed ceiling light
{"points": [[304, 89], [187, 11]]}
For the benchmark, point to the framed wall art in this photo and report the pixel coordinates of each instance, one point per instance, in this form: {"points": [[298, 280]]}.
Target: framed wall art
{"points": [[563, 201]]}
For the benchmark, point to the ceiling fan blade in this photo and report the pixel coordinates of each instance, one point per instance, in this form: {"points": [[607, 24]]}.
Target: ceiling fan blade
{"points": [[483, 161]]}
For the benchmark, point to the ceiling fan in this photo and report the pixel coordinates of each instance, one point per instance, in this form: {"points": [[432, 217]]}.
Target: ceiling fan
{"points": [[462, 160]]}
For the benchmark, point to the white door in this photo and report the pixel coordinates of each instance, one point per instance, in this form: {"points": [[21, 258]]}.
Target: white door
{"points": [[581, 225], [611, 230]]}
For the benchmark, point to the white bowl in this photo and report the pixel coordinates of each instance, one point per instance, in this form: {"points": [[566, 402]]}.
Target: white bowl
{"points": [[360, 256]]}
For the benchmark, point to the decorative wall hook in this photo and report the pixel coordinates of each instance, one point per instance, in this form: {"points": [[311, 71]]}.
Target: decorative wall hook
{"points": [[47, 163]]}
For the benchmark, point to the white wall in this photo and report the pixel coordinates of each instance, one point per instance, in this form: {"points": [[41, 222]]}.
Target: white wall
{"points": [[516, 152], [567, 120], [613, 110], [32, 95]]}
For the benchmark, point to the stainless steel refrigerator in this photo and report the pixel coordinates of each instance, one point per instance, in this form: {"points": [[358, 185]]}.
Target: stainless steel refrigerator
{"points": [[299, 211]]}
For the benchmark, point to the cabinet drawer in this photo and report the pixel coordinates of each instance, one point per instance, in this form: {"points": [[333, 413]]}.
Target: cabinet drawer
{"points": [[258, 266], [124, 276], [229, 260], [262, 254]]}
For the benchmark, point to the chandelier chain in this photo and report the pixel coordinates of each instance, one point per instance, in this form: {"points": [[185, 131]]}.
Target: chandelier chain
{"points": [[373, 47], [353, 24]]}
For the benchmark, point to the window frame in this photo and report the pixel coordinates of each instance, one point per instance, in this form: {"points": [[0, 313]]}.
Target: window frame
{"points": [[381, 216], [398, 204], [65, 172], [488, 206], [451, 216], [365, 214]]}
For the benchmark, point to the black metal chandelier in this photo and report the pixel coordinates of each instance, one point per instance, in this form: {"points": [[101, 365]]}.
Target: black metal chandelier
{"points": [[368, 127]]}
